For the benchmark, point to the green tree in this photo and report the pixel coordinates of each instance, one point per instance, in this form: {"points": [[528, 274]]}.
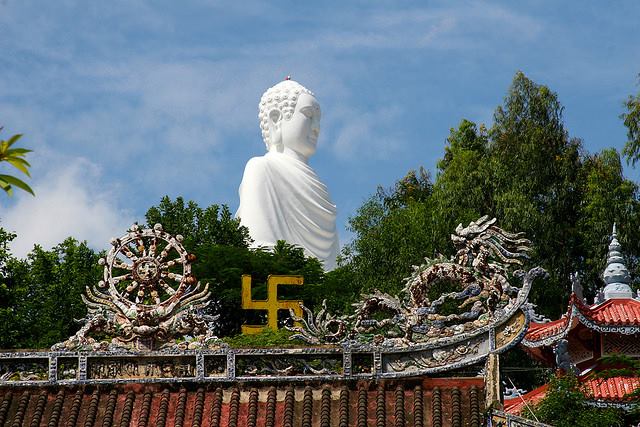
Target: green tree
{"points": [[607, 196], [535, 182], [44, 293], [631, 120], [15, 157], [392, 232], [461, 191], [524, 170], [212, 225], [8, 326]]}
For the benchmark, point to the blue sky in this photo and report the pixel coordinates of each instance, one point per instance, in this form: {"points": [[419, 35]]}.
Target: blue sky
{"points": [[126, 101]]}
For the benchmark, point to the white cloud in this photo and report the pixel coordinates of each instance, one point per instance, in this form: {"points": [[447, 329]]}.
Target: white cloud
{"points": [[368, 134], [464, 27], [68, 202]]}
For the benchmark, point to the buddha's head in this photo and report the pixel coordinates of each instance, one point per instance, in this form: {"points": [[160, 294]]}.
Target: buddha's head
{"points": [[290, 118]]}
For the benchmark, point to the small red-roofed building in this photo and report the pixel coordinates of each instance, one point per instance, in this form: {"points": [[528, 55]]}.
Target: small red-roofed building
{"points": [[586, 333]]}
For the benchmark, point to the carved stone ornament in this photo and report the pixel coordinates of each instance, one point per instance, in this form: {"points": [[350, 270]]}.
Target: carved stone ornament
{"points": [[479, 295], [451, 313], [148, 299]]}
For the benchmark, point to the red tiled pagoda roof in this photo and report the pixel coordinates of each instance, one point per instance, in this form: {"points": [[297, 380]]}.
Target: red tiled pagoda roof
{"points": [[610, 389], [619, 312], [517, 405], [539, 331], [605, 390], [613, 312]]}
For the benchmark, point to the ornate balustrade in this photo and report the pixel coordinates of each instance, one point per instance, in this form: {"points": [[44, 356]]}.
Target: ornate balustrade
{"points": [[231, 364]]}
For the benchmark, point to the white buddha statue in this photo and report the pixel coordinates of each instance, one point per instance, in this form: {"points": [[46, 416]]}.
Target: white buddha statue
{"points": [[281, 196]]}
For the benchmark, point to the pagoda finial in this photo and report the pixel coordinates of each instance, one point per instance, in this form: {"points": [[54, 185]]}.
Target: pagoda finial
{"points": [[576, 285], [616, 275]]}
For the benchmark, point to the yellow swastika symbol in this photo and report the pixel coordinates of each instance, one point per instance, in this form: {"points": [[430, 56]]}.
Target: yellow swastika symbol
{"points": [[271, 304]]}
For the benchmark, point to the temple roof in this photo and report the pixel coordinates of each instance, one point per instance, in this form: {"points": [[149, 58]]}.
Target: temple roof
{"points": [[603, 391], [437, 401], [611, 389], [615, 312], [517, 405], [618, 315], [540, 331]]}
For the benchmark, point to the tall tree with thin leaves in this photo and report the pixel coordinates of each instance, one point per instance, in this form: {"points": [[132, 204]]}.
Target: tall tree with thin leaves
{"points": [[631, 119]]}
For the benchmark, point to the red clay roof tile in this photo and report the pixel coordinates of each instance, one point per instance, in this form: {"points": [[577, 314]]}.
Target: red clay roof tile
{"points": [[618, 312], [608, 390], [454, 401], [613, 312], [517, 404], [540, 331]]}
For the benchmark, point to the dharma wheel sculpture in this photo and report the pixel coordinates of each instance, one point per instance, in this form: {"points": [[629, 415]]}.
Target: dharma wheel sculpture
{"points": [[148, 299], [147, 266]]}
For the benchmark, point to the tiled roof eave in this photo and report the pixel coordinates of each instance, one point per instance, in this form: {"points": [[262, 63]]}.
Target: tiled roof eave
{"points": [[551, 339], [547, 341], [599, 403], [419, 401], [600, 392], [615, 389], [531, 398], [585, 315], [580, 312]]}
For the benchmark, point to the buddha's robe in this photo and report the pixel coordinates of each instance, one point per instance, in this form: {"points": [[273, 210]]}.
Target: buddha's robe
{"points": [[282, 198]]}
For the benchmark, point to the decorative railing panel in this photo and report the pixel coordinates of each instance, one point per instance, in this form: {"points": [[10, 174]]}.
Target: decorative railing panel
{"points": [[106, 368], [25, 368]]}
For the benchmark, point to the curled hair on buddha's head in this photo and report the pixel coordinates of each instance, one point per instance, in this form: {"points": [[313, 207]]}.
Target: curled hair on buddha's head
{"points": [[282, 98]]}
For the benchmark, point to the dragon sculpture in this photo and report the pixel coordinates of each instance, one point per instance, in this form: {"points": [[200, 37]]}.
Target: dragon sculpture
{"points": [[148, 299], [442, 298]]}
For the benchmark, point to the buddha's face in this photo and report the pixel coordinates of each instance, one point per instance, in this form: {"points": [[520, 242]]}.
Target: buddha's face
{"points": [[300, 133]]}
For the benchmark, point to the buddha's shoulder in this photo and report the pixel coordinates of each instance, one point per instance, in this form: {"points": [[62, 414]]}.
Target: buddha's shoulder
{"points": [[257, 166], [257, 162]]}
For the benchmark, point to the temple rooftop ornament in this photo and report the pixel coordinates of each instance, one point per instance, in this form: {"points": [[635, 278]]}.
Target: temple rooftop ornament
{"points": [[148, 299], [272, 304], [616, 275], [482, 296]]}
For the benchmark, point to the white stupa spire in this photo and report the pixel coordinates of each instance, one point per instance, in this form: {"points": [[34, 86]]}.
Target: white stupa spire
{"points": [[616, 275]]}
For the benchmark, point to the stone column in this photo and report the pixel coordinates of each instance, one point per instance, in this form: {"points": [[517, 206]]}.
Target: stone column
{"points": [[493, 397]]}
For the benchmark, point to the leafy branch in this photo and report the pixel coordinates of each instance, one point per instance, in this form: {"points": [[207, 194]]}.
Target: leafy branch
{"points": [[15, 157], [632, 122]]}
